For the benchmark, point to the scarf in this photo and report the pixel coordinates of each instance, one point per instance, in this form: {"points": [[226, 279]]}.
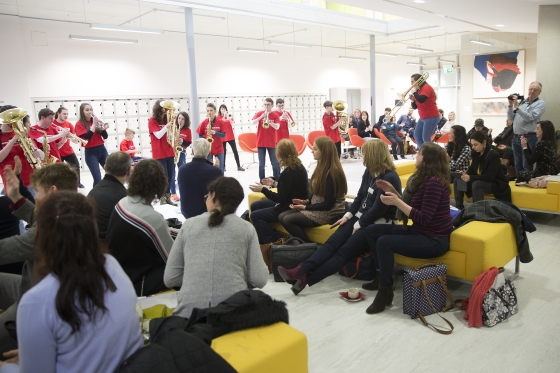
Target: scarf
{"points": [[406, 197], [481, 286]]}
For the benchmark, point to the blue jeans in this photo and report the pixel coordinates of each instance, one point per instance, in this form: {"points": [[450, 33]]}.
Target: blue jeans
{"points": [[340, 248], [387, 240], [96, 157], [262, 213], [424, 130], [519, 159], [182, 159], [169, 169], [220, 158], [273, 161]]}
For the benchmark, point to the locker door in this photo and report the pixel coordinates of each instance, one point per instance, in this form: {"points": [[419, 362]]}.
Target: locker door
{"points": [[38, 106], [144, 107], [121, 108], [97, 107], [73, 114]]}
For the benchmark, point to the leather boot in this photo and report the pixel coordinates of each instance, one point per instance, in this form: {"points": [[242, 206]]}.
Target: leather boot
{"points": [[296, 276], [265, 251], [383, 299], [374, 284]]}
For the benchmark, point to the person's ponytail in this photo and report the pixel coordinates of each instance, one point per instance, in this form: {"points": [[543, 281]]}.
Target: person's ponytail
{"points": [[227, 192]]}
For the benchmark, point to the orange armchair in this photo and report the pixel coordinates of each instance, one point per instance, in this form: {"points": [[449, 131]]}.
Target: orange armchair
{"points": [[248, 143], [299, 141], [311, 136]]}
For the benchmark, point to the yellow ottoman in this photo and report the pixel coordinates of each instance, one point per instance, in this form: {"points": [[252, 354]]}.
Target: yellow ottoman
{"points": [[277, 348]]}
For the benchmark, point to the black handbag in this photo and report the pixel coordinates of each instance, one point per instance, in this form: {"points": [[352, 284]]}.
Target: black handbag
{"points": [[290, 254], [360, 268]]}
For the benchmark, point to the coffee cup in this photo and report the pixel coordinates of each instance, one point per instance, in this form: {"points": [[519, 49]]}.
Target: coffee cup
{"points": [[353, 293]]}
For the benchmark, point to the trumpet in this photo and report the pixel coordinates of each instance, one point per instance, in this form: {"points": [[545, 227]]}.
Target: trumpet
{"points": [[99, 124], [208, 129], [403, 97], [286, 116], [265, 121], [75, 139]]}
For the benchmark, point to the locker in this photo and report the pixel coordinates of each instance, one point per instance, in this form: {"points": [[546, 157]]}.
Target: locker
{"points": [[112, 143], [151, 103], [54, 105], [73, 114], [143, 122], [38, 107], [145, 140], [133, 124], [97, 107], [121, 108], [112, 129], [131, 107], [202, 105], [306, 102], [144, 107], [228, 101], [184, 104], [109, 108], [236, 104], [122, 125]]}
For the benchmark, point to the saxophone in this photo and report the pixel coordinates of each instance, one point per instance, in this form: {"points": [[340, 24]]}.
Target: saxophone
{"points": [[173, 133], [49, 159], [14, 119], [208, 129]]}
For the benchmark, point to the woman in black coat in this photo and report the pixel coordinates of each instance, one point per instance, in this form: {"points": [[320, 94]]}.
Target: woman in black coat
{"points": [[484, 176]]}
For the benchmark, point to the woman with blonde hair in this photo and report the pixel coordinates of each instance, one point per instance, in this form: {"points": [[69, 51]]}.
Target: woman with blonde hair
{"points": [[349, 240], [291, 185], [426, 201], [328, 188]]}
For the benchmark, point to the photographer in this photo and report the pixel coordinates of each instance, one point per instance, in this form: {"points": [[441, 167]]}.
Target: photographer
{"points": [[525, 115]]}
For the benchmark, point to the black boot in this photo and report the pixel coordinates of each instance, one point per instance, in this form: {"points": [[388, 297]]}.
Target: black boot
{"points": [[395, 157], [374, 284], [383, 299]]}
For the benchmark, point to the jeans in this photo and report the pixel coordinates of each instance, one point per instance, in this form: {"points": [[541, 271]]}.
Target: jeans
{"points": [[96, 157], [338, 148], [424, 130], [394, 141], [73, 160], [233, 149], [169, 169], [262, 213], [220, 158], [273, 161], [387, 240], [478, 189], [340, 248], [182, 159], [519, 159]]}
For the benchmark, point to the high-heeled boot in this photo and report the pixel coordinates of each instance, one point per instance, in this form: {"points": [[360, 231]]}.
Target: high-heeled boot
{"points": [[383, 299], [374, 284], [296, 276]]}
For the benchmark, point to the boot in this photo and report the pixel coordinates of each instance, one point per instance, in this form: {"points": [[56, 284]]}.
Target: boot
{"points": [[374, 284], [265, 251], [383, 299], [297, 277], [395, 157], [166, 200]]}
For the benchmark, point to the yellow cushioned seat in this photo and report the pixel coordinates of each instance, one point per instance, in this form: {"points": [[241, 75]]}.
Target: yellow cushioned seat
{"points": [[277, 348], [536, 198]]}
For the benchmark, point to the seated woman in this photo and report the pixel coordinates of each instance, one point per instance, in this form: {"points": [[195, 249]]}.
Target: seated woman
{"points": [[138, 236], [349, 240], [544, 154], [447, 125], [425, 200], [292, 184], [484, 175], [389, 129], [328, 188], [364, 127], [216, 242], [459, 150], [81, 316]]}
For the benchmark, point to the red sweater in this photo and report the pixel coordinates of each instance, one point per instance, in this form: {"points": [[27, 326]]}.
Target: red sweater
{"points": [[430, 209]]}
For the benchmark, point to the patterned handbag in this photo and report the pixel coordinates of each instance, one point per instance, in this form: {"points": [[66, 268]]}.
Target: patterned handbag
{"points": [[499, 304], [425, 292]]}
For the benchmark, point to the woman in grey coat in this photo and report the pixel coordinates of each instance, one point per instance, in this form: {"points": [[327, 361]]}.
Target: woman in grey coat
{"points": [[216, 254]]}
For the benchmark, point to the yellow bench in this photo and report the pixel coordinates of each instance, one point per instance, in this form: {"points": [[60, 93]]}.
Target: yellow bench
{"points": [[277, 348]]}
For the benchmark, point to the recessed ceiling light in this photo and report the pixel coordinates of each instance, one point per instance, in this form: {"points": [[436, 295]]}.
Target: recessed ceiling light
{"points": [[386, 54], [96, 26], [499, 25], [257, 50], [416, 63], [300, 45], [419, 1], [106, 40], [419, 49]]}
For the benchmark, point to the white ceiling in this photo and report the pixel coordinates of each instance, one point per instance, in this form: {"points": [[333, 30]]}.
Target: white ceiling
{"points": [[447, 35]]}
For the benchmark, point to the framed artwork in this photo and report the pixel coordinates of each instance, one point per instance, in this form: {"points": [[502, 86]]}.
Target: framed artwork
{"points": [[498, 75], [490, 106]]}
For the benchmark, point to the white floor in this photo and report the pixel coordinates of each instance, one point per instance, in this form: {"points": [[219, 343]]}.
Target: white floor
{"points": [[343, 338]]}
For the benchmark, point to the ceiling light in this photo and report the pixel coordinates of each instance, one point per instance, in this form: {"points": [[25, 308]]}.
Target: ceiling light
{"points": [[96, 26], [352, 58], [257, 50], [448, 61], [481, 42], [106, 40], [419, 1], [416, 63], [386, 54], [277, 42], [419, 49], [206, 15], [499, 25]]}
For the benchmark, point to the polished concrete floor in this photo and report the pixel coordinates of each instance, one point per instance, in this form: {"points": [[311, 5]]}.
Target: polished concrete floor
{"points": [[343, 338]]}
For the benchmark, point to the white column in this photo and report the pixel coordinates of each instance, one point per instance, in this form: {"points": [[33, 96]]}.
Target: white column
{"points": [[373, 115], [193, 99]]}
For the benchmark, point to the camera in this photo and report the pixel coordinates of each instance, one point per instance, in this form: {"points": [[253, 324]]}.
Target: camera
{"points": [[519, 97]]}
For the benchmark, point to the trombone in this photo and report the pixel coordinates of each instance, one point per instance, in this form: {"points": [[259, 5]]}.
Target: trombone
{"points": [[403, 97]]}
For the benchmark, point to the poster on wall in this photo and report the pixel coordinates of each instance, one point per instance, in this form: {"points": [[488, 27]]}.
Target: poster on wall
{"points": [[498, 75], [489, 106]]}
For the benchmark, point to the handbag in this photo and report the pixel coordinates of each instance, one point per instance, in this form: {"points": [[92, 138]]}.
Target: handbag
{"points": [[290, 254], [425, 292], [360, 268], [499, 304]]}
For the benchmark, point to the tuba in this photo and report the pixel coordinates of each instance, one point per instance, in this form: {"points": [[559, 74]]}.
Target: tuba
{"points": [[173, 132], [403, 97], [340, 107], [14, 119]]}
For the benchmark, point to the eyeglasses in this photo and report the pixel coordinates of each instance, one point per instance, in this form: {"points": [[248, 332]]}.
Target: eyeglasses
{"points": [[534, 89]]}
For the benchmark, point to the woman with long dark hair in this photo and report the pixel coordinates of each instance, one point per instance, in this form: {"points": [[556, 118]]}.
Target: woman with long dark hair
{"points": [[162, 151], [458, 149], [216, 242], [328, 190], [425, 201], [423, 98], [81, 316], [544, 154], [91, 128], [230, 136], [364, 127]]}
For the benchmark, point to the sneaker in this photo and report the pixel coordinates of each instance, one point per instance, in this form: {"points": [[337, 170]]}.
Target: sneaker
{"points": [[175, 198], [240, 168], [521, 183], [344, 156], [81, 186]]}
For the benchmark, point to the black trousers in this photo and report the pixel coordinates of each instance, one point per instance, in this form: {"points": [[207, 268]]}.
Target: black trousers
{"points": [[73, 160], [151, 283], [338, 148], [234, 149]]}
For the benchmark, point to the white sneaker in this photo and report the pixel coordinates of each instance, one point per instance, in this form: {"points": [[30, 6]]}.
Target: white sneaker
{"points": [[522, 183]]}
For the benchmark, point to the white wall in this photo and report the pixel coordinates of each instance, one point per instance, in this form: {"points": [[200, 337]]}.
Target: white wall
{"points": [[157, 67]]}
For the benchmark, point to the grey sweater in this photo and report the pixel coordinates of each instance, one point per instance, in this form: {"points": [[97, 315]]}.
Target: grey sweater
{"points": [[211, 264]]}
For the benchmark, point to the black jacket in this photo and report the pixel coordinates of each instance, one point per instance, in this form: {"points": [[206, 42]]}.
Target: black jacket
{"points": [[291, 184], [491, 171], [106, 194], [362, 130], [193, 178]]}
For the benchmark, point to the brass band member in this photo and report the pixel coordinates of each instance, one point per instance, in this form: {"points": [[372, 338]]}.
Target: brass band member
{"points": [[213, 128], [267, 125], [55, 139], [230, 136], [285, 120], [331, 124], [67, 153], [91, 128]]}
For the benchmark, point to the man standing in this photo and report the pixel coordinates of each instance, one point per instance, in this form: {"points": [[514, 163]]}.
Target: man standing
{"points": [[267, 122], [194, 177], [109, 191], [55, 139], [331, 124], [285, 119], [214, 131], [525, 116], [407, 123]]}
